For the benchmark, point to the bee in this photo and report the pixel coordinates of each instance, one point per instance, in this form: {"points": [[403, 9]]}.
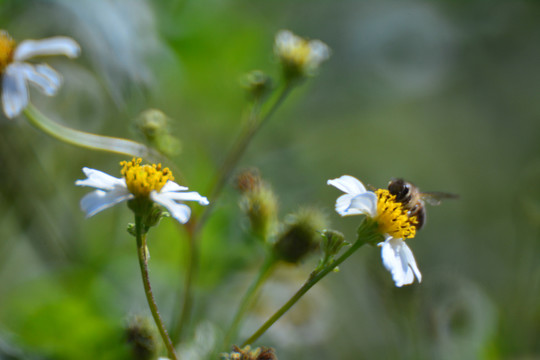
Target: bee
{"points": [[413, 200]]}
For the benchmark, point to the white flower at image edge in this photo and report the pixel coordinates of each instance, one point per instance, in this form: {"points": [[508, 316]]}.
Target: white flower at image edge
{"points": [[111, 191], [18, 73], [396, 255]]}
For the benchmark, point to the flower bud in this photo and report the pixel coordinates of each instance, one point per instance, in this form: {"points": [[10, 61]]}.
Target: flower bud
{"points": [[300, 236], [142, 338], [260, 353], [154, 125], [248, 180], [332, 242], [257, 84], [259, 203]]}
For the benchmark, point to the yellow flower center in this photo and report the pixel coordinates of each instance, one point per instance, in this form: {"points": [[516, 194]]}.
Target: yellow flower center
{"points": [[297, 55], [7, 46], [392, 218], [141, 180]]}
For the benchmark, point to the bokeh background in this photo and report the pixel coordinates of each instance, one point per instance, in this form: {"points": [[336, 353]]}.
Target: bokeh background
{"points": [[442, 93]]}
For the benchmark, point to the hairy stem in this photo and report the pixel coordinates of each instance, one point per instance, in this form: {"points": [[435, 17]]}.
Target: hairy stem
{"points": [[313, 279], [187, 305], [143, 263], [249, 297]]}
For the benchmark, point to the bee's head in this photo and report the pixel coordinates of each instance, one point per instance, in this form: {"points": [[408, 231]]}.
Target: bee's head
{"points": [[400, 188]]}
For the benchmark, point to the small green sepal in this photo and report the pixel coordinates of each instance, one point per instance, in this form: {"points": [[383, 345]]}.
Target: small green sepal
{"points": [[149, 212], [368, 232], [131, 229], [258, 85], [331, 244]]}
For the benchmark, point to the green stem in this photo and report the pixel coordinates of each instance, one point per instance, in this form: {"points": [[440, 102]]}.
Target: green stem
{"points": [[249, 297], [192, 266], [143, 263], [233, 157], [87, 140], [251, 128], [314, 278]]}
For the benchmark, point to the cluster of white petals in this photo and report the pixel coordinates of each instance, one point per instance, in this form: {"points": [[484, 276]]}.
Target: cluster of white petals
{"points": [[111, 191], [396, 255], [307, 55], [19, 73]]}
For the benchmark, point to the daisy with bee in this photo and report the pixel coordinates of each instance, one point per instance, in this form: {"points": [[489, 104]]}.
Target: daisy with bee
{"points": [[398, 212]]}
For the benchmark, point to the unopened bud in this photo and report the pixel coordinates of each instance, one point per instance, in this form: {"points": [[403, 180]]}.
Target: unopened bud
{"points": [[260, 205], [331, 244], [260, 353], [248, 180], [257, 84], [142, 338], [300, 236], [154, 125]]}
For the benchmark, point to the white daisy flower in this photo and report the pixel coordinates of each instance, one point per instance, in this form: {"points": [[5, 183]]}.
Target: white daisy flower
{"points": [[16, 73], [145, 182], [299, 56], [393, 222]]}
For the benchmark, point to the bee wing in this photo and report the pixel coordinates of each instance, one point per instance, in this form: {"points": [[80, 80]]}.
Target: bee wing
{"points": [[435, 197]]}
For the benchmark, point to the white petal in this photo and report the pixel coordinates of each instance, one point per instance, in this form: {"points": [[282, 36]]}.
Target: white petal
{"points": [[172, 186], [14, 90], [392, 262], [100, 180], [180, 212], [45, 78], [396, 257], [59, 45], [365, 203], [343, 203], [52, 75], [188, 196], [411, 261], [99, 200], [319, 51], [285, 40], [348, 184]]}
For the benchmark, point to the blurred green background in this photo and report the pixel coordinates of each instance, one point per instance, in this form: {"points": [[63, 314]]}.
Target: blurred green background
{"points": [[442, 93]]}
